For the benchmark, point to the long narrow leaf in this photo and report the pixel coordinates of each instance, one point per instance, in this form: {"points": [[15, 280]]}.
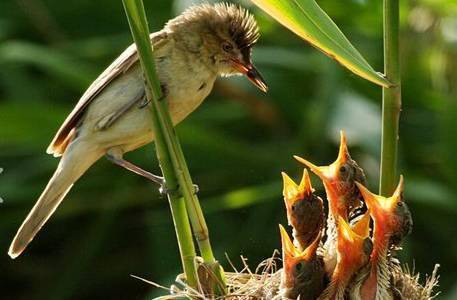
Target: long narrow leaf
{"points": [[306, 19]]}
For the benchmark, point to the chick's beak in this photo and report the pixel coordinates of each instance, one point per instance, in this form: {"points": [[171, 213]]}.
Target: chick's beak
{"points": [[351, 244], [343, 152], [290, 189], [329, 173], [329, 177], [293, 192], [380, 207], [291, 255], [362, 227], [251, 73], [322, 172], [305, 184]]}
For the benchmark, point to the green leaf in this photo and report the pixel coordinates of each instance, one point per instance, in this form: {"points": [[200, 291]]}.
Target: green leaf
{"points": [[306, 19]]}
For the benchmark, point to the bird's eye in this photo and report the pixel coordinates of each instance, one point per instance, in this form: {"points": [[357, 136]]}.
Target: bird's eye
{"points": [[227, 47], [302, 272], [343, 169], [399, 204], [346, 172], [299, 266], [293, 207]]}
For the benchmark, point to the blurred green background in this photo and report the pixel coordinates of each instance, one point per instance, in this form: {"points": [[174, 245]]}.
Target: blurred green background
{"points": [[114, 223]]}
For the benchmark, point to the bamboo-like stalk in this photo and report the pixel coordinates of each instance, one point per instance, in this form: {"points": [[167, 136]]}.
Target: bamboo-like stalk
{"points": [[171, 158], [137, 20], [391, 98]]}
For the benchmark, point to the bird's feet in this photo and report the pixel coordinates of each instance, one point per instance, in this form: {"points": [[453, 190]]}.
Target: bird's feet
{"points": [[164, 191], [152, 177], [146, 100]]}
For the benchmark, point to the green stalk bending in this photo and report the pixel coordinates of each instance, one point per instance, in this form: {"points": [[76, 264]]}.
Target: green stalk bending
{"points": [[391, 98], [171, 158], [137, 21]]}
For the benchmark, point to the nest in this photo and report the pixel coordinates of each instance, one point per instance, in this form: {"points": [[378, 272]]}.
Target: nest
{"points": [[264, 282], [407, 283]]}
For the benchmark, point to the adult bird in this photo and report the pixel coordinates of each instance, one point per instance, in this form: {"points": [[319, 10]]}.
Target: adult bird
{"points": [[342, 194], [305, 210], [112, 116], [392, 222], [303, 274]]}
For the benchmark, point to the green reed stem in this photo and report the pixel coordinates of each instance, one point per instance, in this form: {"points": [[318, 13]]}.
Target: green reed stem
{"points": [[391, 98], [136, 16], [172, 161]]}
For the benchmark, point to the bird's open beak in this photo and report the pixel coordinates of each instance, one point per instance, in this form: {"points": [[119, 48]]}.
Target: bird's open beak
{"points": [[381, 207], [330, 175], [251, 73], [362, 227], [291, 255], [322, 171], [293, 192], [351, 245]]}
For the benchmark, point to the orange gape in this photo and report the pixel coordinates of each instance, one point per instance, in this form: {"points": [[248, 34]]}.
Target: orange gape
{"points": [[353, 252], [392, 222], [342, 195], [305, 211], [339, 181]]}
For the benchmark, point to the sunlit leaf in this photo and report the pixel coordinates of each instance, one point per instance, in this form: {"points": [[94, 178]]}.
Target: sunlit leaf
{"points": [[306, 19]]}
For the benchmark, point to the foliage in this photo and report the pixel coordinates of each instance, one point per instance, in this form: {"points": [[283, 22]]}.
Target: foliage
{"points": [[306, 19], [236, 143]]}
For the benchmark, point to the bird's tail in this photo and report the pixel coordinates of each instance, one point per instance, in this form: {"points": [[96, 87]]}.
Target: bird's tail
{"points": [[78, 157]]}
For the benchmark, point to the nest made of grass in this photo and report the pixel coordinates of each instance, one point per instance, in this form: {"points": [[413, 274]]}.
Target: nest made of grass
{"points": [[264, 282]]}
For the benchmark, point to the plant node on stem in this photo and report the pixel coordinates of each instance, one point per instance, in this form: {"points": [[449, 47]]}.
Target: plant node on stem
{"points": [[184, 205]]}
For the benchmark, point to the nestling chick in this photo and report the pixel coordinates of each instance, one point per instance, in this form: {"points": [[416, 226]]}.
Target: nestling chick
{"points": [[392, 222], [342, 194], [353, 251], [305, 211], [303, 271], [112, 117], [339, 180]]}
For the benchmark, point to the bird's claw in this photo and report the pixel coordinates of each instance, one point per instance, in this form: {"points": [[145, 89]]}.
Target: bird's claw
{"points": [[164, 191], [144, 103], [147, 98], [196, 189]]}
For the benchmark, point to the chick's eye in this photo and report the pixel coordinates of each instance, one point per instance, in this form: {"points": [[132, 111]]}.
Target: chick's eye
{"points": [[299, 266], [227, 47], [343, 169], [303, 273]]}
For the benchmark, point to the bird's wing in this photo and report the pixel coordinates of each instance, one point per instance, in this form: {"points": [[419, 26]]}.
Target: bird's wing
{"points": [[118, 67]]}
